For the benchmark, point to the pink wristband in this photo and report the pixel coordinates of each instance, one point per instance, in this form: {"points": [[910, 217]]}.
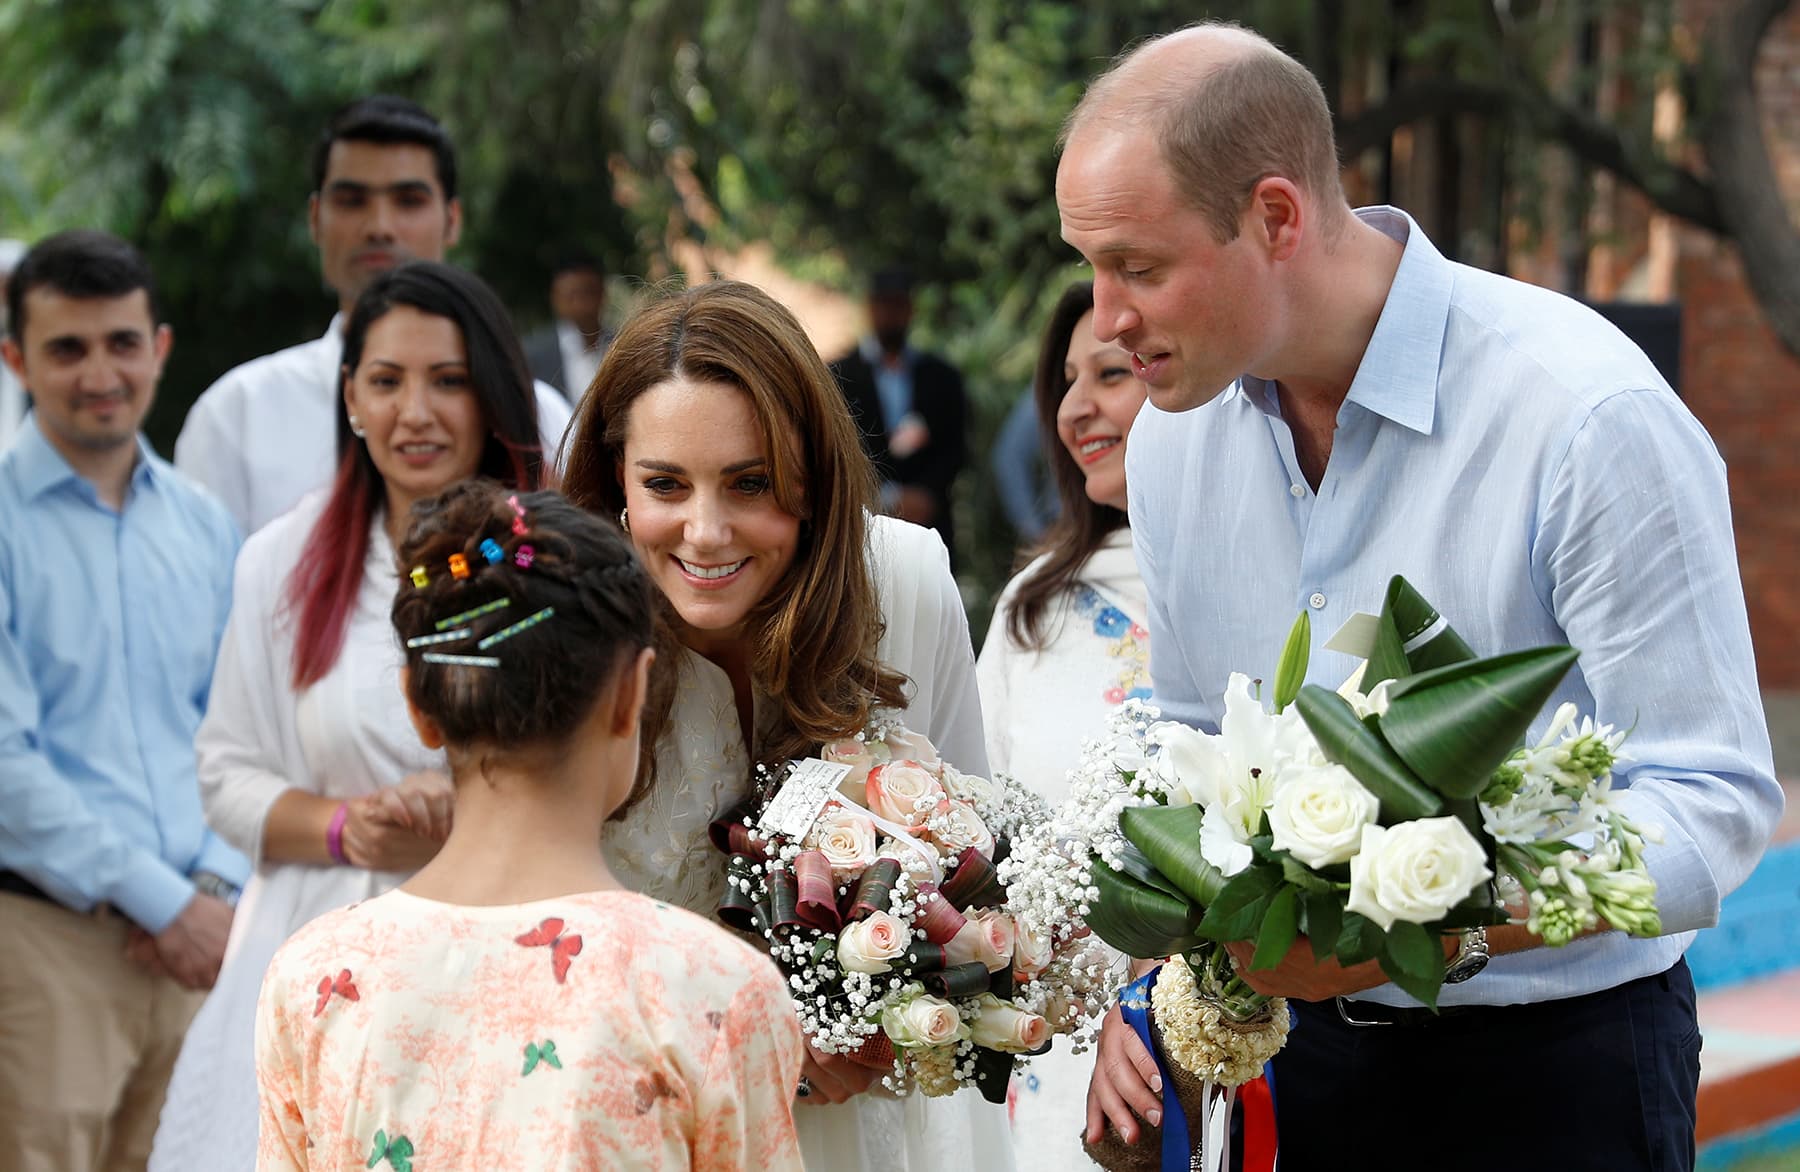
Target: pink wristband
{"points": [[334, 833]]}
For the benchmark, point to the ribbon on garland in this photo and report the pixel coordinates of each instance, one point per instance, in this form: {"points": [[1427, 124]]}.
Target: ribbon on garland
{"points": [[1258, 1096], [1134, 1005]]}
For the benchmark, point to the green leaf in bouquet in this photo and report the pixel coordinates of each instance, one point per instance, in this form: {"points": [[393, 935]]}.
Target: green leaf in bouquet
{"points": [[1324, 920], [1169, 836], [1136, 864], [1290, 673], [1303, 876], [1140, 920], [1352, 744], [1414, 960], [1358, 939], [1238, 911], [1425, 640], [1280, 925], [1454, 725]]}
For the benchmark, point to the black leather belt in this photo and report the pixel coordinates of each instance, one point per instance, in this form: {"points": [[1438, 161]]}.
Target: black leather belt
{"points": [[13, 883], [1371, 1013]]}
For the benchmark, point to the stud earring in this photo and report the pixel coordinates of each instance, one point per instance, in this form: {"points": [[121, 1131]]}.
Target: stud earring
{"points": [[356, 429], [625, 520]]}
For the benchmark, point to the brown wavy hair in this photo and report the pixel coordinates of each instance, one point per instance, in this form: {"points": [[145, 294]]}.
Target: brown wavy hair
{"points": [[813, 636], [1082, 525]]}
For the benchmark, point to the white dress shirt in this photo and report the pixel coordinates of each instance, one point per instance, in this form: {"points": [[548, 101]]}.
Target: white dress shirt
{"points": [[1526, 468], [265, 434], [579, 359]]}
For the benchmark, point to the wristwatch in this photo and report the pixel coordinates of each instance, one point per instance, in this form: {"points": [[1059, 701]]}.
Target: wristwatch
{"points": [[1471, 956], [207, 883]]}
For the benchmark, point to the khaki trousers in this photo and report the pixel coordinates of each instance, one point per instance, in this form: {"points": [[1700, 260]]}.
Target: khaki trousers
{"points": [[87, 1041]]}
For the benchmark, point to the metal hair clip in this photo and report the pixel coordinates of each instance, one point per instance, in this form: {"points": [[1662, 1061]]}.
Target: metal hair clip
{"points": [[420, 578], [518, 514], [465, 616], [490, 549], [523, 624], [446, 637], [459, 566], [522, 558], [462, 660]]}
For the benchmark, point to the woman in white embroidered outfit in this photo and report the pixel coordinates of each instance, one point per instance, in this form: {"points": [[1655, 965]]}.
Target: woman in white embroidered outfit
{"points": [[716, 436], [1068, 644], [307, 762]]}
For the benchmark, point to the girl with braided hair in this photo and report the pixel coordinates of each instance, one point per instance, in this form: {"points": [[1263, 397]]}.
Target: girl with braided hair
{"points": [[511, 1004]]}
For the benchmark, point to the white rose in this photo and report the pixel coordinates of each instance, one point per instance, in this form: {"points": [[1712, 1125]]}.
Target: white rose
{"points": [[847, 840], [907, 745], [1004, 1026], [1031, 949], [903, 792], [1416, 871], [923, 1021], [988, 936], [966, 787], [856, 755], [955, 827], [1319, 812], [873, 944]]}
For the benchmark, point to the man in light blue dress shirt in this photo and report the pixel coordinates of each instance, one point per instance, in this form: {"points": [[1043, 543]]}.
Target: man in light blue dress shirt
{"points": [[115, 580], [1333, 402]]}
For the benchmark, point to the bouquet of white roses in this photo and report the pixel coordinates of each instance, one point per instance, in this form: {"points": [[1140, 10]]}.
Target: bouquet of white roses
{"points": [[1371, 820], [871, 873]]}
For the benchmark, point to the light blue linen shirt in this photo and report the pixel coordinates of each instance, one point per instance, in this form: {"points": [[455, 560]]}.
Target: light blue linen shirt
{"points": [[109, 623], [1525, 466]]}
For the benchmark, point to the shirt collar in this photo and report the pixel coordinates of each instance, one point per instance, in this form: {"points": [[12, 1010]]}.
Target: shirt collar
{"points": [[872, 352], [1397, 378], [40, 467]]}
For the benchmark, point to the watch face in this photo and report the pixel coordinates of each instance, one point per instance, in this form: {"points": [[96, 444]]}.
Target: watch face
{"points": [[1465, 967]]}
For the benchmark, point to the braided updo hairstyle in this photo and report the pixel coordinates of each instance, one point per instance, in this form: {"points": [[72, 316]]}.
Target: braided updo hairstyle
{"points": [[550, 674]]}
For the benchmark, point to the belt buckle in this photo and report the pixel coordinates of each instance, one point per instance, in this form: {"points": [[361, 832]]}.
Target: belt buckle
{"points": [[1360, 1023]]}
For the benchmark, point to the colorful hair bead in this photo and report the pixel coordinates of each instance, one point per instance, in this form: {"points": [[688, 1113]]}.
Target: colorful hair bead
{"points": [[522, 558], [523, 624], [459, 566], [420, 578], [490, 549], [518, 515]]}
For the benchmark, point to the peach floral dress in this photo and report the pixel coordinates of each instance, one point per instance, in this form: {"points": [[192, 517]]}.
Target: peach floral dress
{"points": [[602, 1030]]}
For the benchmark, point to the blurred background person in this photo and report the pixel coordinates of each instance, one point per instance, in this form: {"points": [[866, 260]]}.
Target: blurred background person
{"points": [[1068, 644], [384, 193], [13, 399], [115, 899], [567, 352], [1027, 490], [516, 941], [911, 409], [307, 760]]}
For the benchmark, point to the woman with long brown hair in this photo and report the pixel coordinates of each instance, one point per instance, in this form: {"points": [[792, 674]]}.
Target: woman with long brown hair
{"points": [[716, 438], [1068, 642]]}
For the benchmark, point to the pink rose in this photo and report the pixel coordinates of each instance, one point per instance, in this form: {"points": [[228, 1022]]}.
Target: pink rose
{"points": [[856, 755], [1004, 1026], [873, 944], [988, 937], [955, 827], [903, 792], [907, 745], [847, 840], [1031, 950]]}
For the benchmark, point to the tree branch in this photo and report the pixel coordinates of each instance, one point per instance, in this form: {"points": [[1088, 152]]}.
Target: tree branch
{"points": [[1672, 188], [1749, 196]]}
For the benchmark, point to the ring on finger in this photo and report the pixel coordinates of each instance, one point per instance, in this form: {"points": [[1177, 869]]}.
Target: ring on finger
{"points": [[805, 1089]]}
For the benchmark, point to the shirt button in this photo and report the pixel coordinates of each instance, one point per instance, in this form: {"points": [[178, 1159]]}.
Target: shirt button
{"points": [[1296, 490], [1317, 600]]}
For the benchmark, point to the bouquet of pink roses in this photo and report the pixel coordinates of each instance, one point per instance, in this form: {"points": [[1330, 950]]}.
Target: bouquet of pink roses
{"points": [[870, 871]]}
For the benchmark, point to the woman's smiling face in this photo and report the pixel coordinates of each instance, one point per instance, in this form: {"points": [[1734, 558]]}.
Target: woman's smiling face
{"points": [[702, 511]]}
